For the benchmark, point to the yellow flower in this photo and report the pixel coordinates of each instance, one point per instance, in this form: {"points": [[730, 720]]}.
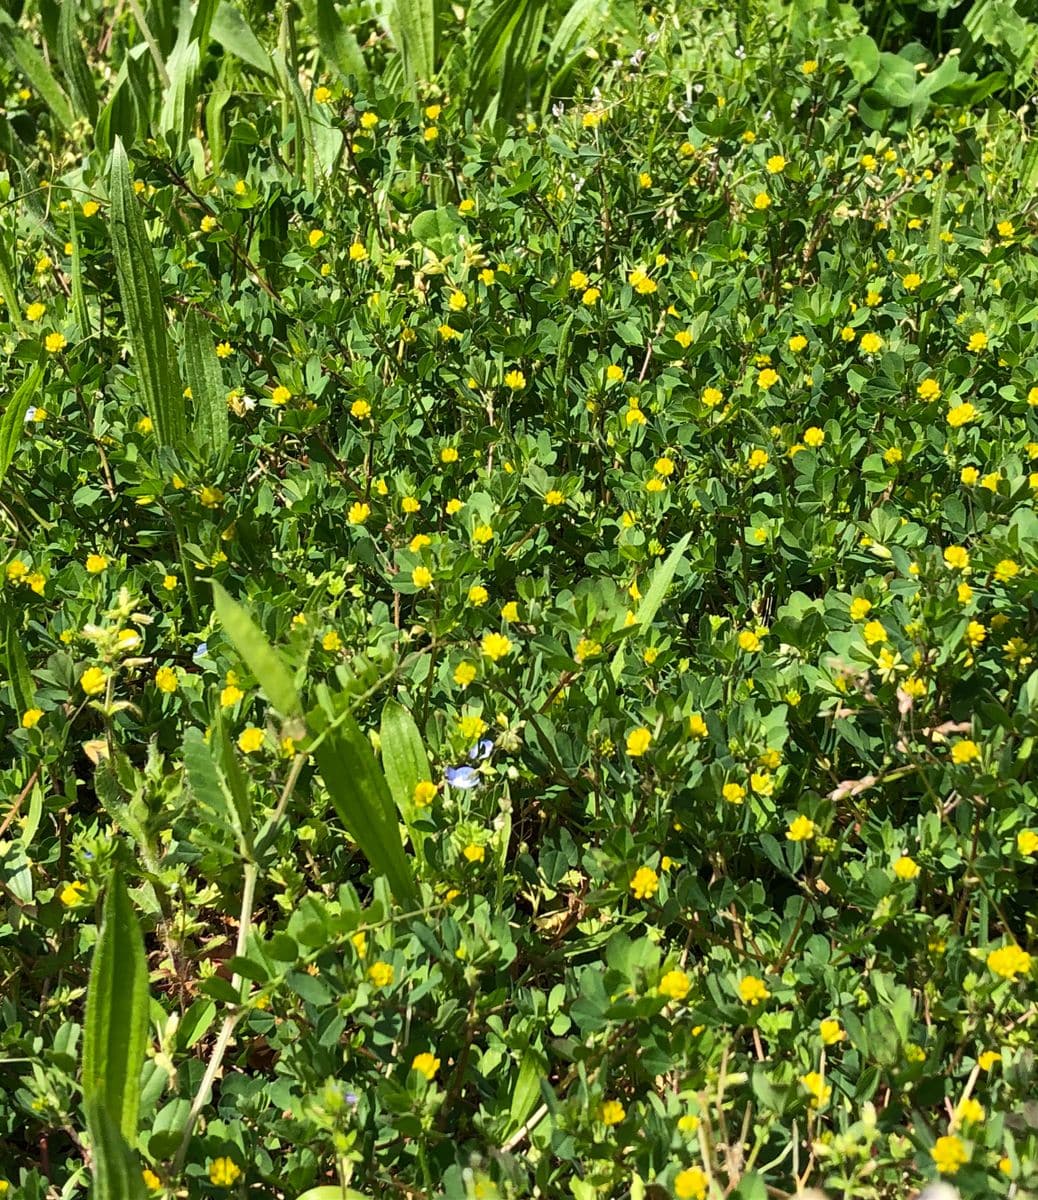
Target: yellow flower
{"points": [[614, 373], [691, 1184], [223, 1172], [55, 342], [969, 1110], [831, 1031], [611, 1112], [331, 642], [31, 718], [358, 513], [965, 751], [645, 883], [929, 389], [230, 696], [969, 476], [35, 311], [250, 740], [987, 1059], [360, 410], [870, 343], [578, 280], [224, 350], [752, 990], [1005, 229], [449, 454], [381, 974], [819, 1090], [640, 281], [474, 853], [210, 497], [510, 611], [457, 301], [483, 534], [749, 641], [73, 894], [961, 415], [801, 829], [358, 252], [949, 1154], [734, 793], [554, 498], [860, 608], [767, 378], [956, 558], [426, 1064], [591, 296], [93, 681], [422, 577], [478, 595], [874, 633], [1009, 961], [978, 341], [424, 793], [207, 224], [151, 1181], [674, 985], [638, 741], [906, 868], [322, 95], [315, 237], [1005, 570], [515, 381], [166, 679], [761, 201], [776, 164], [495, 646], [1026, 839], [464, 673]]}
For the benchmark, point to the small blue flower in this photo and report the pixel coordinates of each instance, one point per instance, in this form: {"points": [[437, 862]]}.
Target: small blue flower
{"points": [[481, 750], [462, 777], [202, 651], [30, 414]]}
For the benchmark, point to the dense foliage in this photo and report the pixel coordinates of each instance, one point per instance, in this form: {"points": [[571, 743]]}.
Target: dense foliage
{"points": [[517, 663]]}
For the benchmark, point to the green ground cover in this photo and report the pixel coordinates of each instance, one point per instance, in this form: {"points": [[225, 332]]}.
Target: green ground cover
{"points": [[517, 633]]}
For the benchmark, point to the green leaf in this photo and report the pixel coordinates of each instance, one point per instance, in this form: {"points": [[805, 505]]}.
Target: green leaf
{"points": [[205, 379], [117, 1174], [653, 598], [360, 796], [532, 1069], [338, 43], [13, 421], [414, 26], [231, 30], [14, 662], [116, 1026], [405, 764], [327, 1192], [142, 307], [73, 61], [257, 653], [24, 57]]}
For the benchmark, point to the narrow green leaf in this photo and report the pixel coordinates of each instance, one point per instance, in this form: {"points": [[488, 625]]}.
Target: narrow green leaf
{"points": [[13, 421], [203, 779], [231, 30], [7, 288], [653, 598], [405, 764], [237, 784], [257, 653], [338, 43], [24, 57], [532, 1069], [116, 1027], [117, 1174], [205, 380], [332, 1192], [14, 662], [79, 303], [360, 796], [142, 307], [414, 26], [73, 61]]}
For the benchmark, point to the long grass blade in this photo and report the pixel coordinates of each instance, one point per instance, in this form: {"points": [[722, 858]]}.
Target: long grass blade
{"points": [[73, 61], [257, 653], [653, 598]]}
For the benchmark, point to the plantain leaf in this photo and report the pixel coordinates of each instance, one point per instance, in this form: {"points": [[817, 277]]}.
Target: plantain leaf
{"points": [[653, 598], [205, 379], [117, 1174], [24, 57], [14, 662], [257, 653], [231, 30], [414, 25], [116, 1027], [142, 307], [405, 764], [360, 796], [13, 421], [73, 61]]}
